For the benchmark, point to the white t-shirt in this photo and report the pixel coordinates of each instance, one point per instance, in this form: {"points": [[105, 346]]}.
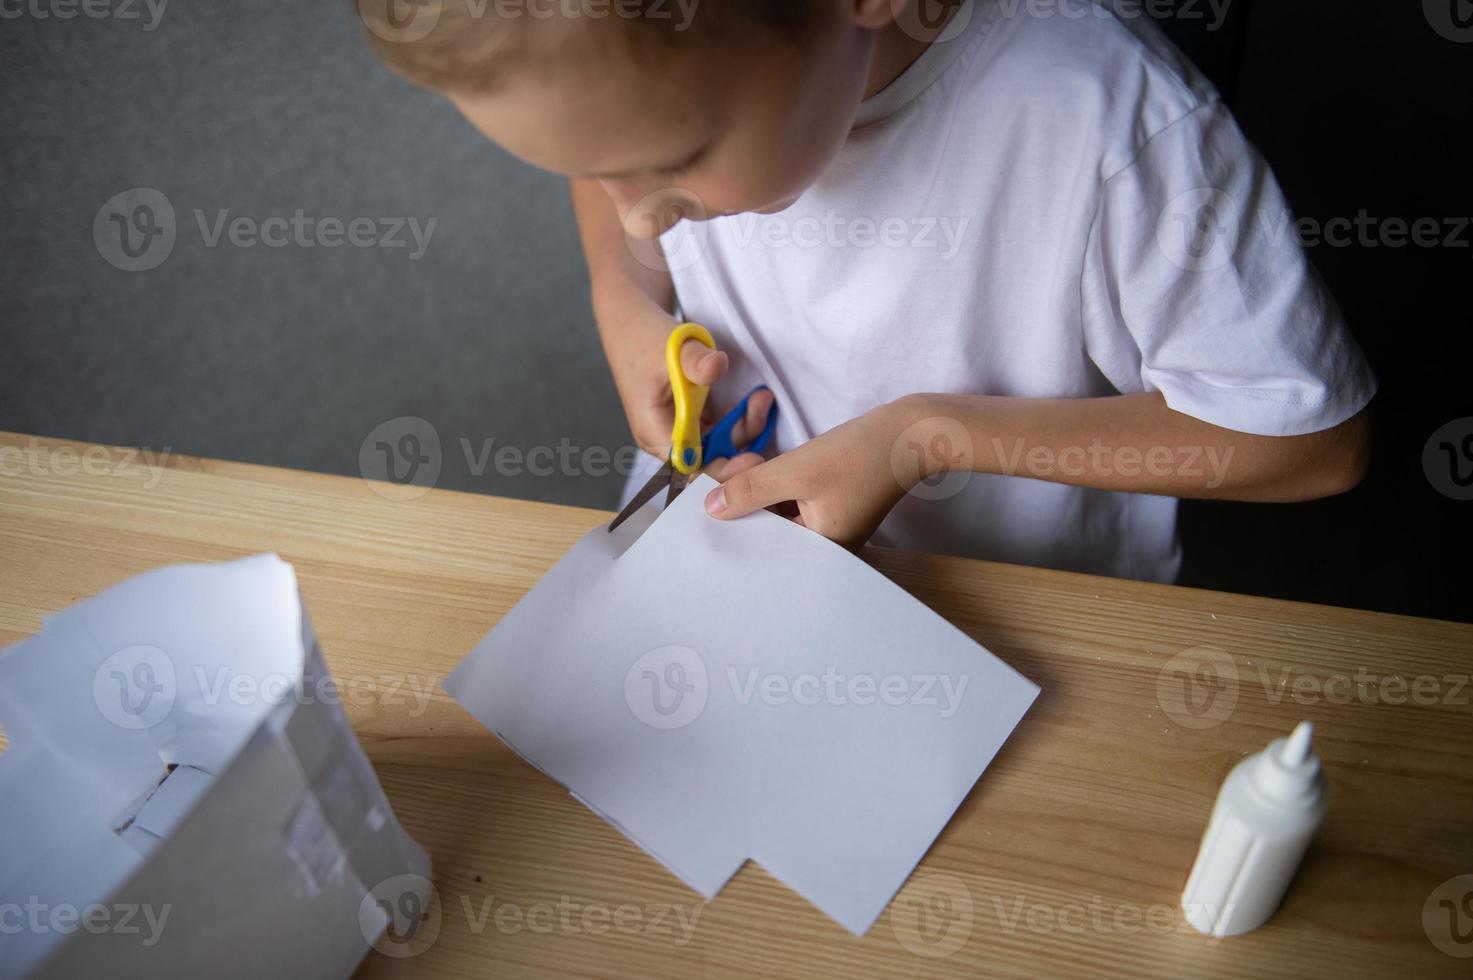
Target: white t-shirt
{"points": [[1052, 206]]}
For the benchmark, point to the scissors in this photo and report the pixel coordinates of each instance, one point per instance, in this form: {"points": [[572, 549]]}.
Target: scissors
{"points": [[689, 450]]}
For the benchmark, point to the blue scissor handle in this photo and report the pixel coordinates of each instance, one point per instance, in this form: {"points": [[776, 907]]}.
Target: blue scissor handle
{"points": [[717, 444]]}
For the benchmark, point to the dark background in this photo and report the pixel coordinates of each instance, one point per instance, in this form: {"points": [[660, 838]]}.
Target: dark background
{"points": [[293, 356], [1363, 107]]}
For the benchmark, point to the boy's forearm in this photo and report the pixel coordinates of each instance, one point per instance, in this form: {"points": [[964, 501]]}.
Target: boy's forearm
{"points": [[628, 295], [1131, 443]]}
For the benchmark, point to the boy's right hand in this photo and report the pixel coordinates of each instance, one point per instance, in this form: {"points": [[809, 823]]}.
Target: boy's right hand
{"points": [[650, 407]]}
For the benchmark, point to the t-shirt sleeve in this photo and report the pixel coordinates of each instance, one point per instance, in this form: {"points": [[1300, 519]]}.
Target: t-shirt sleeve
{"points": [[1195, 285]]}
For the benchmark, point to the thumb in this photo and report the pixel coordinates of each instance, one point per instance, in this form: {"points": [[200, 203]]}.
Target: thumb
{"points": [[753, 489], [702, 365]]}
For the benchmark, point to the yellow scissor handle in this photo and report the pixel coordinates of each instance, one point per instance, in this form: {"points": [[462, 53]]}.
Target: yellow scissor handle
{"points": [[690, 400]]}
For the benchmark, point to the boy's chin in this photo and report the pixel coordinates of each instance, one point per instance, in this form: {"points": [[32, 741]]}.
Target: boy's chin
{"points": [[779, 207]]}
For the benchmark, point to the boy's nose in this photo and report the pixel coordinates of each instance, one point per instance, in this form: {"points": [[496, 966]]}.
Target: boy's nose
{"points": [[647, 212]]}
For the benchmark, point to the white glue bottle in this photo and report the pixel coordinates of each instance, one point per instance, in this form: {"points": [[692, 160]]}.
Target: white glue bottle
{"points": [[1266, 813]]}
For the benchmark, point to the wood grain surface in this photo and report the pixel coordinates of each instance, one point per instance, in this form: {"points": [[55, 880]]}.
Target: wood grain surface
{"points": [[1067, 859]]}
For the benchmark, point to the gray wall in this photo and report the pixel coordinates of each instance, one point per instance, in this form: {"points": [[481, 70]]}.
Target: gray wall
{"points": [[295, 356], [284, 355]]}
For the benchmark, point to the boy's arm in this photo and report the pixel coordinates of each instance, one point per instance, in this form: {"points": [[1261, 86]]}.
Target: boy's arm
{"points": [[849, 478], [633, 303], [632, 300]]}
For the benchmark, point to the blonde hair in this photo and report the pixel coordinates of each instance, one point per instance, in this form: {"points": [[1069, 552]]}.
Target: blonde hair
{"points": [[464, 45]]}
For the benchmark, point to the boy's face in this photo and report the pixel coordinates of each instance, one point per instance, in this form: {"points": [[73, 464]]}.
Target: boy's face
{"points": [[683, 130]]}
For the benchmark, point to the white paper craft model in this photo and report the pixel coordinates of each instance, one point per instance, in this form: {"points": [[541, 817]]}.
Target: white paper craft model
{"points": [[182, 794], [720, 691]]}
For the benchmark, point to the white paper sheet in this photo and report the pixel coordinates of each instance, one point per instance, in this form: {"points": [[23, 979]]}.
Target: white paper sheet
{"points": [[720, 691]]}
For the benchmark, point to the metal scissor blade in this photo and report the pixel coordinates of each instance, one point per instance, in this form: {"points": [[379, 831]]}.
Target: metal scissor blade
{"points": [[664, 477], [677, 484]]}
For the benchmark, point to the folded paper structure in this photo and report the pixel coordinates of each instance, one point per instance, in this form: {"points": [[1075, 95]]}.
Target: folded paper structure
{"points": [[183, 796]]}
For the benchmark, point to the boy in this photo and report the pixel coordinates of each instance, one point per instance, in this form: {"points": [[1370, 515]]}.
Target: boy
{"points": [[1014, 276]]}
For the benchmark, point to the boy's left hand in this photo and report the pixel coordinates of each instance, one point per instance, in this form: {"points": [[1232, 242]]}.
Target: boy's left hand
{"points": [[843, 482]]}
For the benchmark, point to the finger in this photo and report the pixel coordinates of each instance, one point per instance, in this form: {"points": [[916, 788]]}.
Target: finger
{"points": [[722, 470], [755, 420], [701, 364], [771, 482]]}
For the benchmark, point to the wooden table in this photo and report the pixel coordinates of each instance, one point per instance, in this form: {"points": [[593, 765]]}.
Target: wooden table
{"points": [[1066, 860]]}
